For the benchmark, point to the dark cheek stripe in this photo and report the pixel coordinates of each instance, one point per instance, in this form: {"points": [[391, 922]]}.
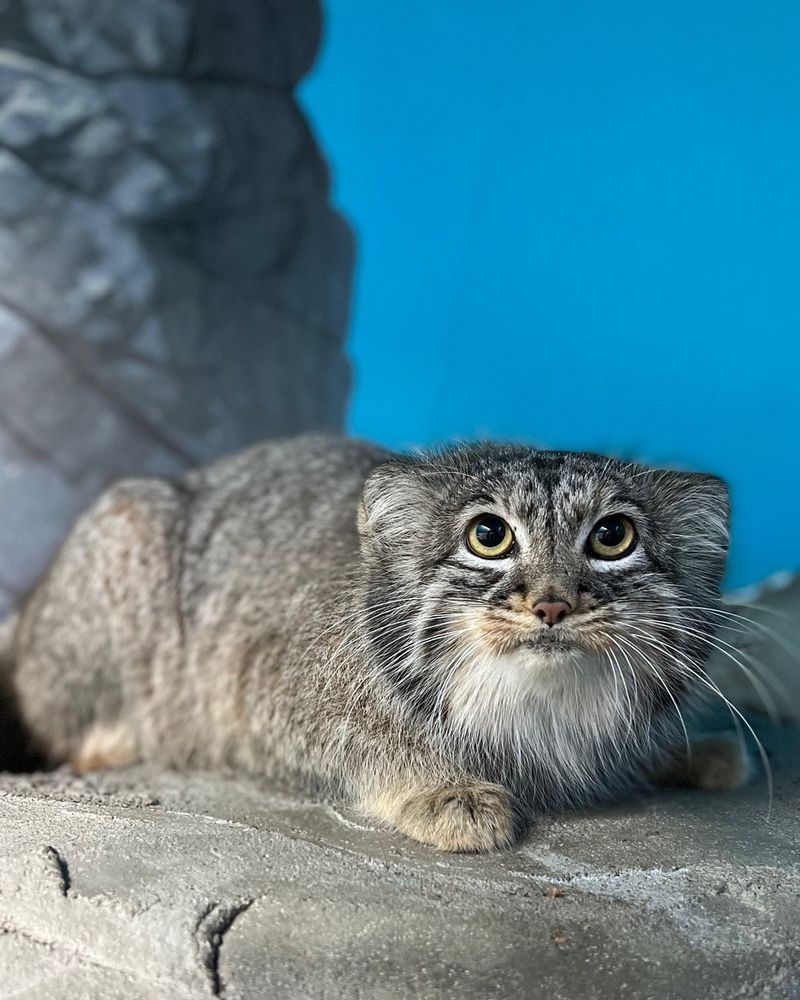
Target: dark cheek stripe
{"points": [[406, 658]]}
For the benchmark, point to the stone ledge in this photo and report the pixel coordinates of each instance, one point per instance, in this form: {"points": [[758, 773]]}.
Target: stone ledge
{"points": [[147, 883]]}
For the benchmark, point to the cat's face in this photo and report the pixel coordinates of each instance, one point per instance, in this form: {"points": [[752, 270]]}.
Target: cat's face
{"points": [[501, 575]]}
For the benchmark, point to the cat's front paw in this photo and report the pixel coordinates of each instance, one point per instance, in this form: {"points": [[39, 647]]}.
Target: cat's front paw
{"points": [[467, 817]]}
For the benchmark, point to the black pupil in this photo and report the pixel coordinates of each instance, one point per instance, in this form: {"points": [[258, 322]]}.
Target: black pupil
{"points": [[610, 532], [490, 532]]}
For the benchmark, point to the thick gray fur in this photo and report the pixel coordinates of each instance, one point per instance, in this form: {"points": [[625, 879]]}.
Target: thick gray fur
{"points": [[308, 609]]}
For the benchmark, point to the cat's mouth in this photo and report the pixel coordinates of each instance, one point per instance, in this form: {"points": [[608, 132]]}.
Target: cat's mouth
{"points": [[551, 656], [503, 636], [542, 639]]}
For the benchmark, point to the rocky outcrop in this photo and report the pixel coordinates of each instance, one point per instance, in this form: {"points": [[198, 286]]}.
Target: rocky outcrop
{"points": [[173, 280]]}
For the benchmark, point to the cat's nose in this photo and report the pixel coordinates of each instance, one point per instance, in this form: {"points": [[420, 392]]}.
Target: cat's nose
{"points": [[552, 611]]}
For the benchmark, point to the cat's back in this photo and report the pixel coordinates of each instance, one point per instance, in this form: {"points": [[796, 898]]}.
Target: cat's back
{"points": [[271, 518], [305, 469], [293, 488]]}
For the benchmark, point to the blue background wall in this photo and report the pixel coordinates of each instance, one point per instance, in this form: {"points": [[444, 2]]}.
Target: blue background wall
{"points": [[579, 225]]}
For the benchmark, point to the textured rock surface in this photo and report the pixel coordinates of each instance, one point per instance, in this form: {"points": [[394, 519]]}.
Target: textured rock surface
{"points": [[142, 884], [173, 280]]}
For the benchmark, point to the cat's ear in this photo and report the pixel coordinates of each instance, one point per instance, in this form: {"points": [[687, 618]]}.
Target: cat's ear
{"points": [[695, 510], [391, 500]]}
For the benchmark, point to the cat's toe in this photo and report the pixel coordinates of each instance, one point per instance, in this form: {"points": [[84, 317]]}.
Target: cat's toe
{"points": [[469, 817], [715, 763], [720, 764]]}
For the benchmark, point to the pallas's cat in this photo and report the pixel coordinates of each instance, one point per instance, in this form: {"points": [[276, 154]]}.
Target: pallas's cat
{"points": [[454, 642]]}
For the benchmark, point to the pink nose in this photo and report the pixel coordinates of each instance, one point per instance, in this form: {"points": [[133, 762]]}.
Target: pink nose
{"points": [[552, 612]]}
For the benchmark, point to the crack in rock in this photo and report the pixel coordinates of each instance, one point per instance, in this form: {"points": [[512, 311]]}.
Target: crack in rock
{"points": [[165, 941], [212, 928]]}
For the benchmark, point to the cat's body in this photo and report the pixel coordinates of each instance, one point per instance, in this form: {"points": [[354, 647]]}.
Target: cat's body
{"points": [[318, 608]]}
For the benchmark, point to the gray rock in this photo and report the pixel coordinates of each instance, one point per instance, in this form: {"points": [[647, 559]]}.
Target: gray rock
{"points": [[147, 884], [269, 43], [40, 103], [175, 279], [99, 37]]}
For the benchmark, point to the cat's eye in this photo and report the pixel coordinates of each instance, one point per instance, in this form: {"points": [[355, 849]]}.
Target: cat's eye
{"points": [[489, 537], [612, 537]]}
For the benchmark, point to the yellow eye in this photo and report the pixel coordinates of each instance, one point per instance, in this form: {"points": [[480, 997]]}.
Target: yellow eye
{"points": [[489, 537], [612, 537]]}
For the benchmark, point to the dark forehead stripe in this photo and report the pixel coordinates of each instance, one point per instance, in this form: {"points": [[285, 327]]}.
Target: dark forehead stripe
{"points": [[541, 486], [494, 464], [476, 497]]}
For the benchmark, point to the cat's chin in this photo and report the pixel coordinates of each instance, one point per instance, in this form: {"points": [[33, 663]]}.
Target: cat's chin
{"points": [[496, 693], [549, 659], [545, 650], [552, 670], [546, 644], [531, 668]]}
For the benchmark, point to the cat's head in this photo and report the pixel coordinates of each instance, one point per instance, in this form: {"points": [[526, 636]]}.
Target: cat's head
{"points": [[499, 576]]}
